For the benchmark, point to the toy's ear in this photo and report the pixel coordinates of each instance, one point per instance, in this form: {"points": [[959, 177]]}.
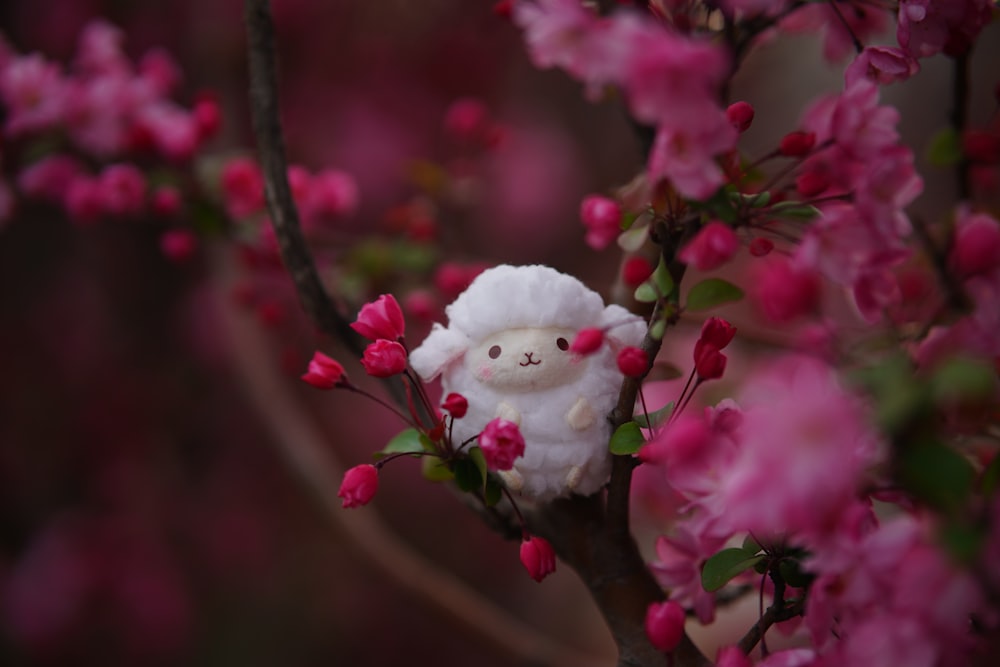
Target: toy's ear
{"points": [[625, 328], [441, 347]]}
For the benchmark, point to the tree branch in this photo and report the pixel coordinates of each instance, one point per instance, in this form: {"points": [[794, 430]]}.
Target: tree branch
{"points": [[774, 614], [271, 148]]}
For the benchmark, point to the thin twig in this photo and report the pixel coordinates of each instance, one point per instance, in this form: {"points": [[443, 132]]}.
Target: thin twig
{"points": [[774, 614]]}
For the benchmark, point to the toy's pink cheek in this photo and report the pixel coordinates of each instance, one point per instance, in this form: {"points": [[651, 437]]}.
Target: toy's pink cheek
{"points": [[484, 372]]}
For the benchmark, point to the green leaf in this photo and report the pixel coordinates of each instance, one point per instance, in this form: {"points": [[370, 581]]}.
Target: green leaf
{"points": [[944, 148], [410, 441], [750, 546], [657, 286], [723, 566], [936, 474], [493, 492], [658, 329], [712, 292], [435, 470], [962, 378], [656, 417], [793, 210], [476, 455], [793, 574], [467, 475], [627, 439], [964, 542], [635, 237], [990, 479]]}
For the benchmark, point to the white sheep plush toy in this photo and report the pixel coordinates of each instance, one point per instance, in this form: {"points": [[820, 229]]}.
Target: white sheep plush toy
{"points": [[506, 349]]}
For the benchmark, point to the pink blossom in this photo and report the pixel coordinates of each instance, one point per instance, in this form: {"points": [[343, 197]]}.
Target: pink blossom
{"points": [[587, 341], [538, 557], [732, 656], [384, 358], [178, 245], [501, 443], [557, 33], [34, 93], [207, 116], [122, 189], [680, 557], [881, 64], [161, 70], [332, 194], [99, 50], [324, 372], [174, 131], [665, 625], [50, 177], [860, 126], [165, 201], [84, 200], [633, 361], [242, 187], [359, 485], [381, 318], [785, 291], [455, 405], [805, 448], [928, 27], [602, 218], [685, 154], [976, 248], [713, 245]]}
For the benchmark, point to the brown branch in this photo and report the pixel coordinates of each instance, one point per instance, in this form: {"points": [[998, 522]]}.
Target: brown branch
{"points": [[304, 451], [774, 614], [271, 148]]}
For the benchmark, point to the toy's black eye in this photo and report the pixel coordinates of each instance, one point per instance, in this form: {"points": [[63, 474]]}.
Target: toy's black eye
{"points": [[562, 344], [494, 352]]}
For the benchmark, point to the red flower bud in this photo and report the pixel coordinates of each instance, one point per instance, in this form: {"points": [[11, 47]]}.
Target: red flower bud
{"points": [[709, 363], [324, 372], [587, 341], [633, 361], [501, 443], [602, 218], [811, 183], [380, 319], [456, 405], [384, 358], [538, 558], [665, 625], [761, 247], [711, 247], [740, 114], [797, 144], [717, 332], [636, 270], [359, 485]]}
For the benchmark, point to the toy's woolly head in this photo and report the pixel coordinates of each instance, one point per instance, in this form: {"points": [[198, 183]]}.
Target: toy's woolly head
{"points": [[521, 297]]}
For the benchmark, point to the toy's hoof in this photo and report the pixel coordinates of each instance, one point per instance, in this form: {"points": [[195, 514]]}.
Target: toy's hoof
{"points": [[512, 479], [508, 412], [573, 477]]}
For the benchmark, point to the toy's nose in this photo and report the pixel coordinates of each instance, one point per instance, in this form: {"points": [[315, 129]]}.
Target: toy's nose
{"points": [[528, 354]]}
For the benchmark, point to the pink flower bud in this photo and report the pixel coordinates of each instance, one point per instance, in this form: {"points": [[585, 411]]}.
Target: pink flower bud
{"points": [[797, 144], [359, 485], [602, 218], [384, 358], [333, 194], [665, 625], [380, 319], [633, 362], [740, 114], [717, 332], [711, 247], [324, 372], [178, 245], [123, 189], [501, 443], [207, 116], [636, 270], [587, 341], [538, 557], [732, 656], [456, 405], [976, 247], [709, 363], [242, 187], [166, 201], [761, 247], [811, 183], [784, 291]]}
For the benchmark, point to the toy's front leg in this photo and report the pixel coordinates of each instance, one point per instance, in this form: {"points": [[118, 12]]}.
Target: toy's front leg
{"points": [[581, 416], [507, 411], [512, 479], [573, 477]]}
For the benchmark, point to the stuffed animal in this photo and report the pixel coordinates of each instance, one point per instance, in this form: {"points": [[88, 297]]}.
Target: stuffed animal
{"points": [[506, 350]]}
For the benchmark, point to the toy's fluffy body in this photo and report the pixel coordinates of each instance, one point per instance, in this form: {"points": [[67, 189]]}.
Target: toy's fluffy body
{"points": [[505, 350]]}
